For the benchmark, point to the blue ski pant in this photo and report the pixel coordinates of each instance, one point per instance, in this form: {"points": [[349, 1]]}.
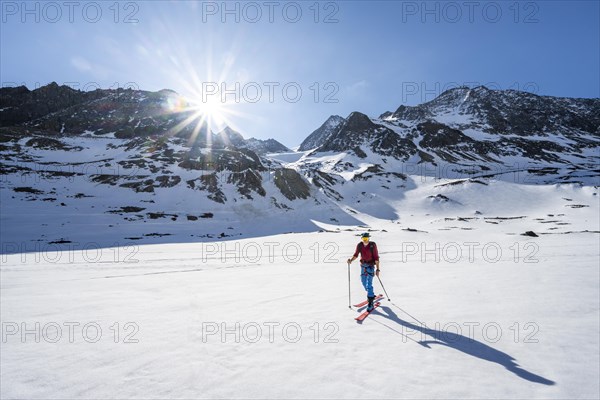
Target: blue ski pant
{"points": [[366, 277]]}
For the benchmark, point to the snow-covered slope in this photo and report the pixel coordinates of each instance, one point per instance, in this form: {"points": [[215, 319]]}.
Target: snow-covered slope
{"points": [[477, 309], [103, 190], [124, 166]]}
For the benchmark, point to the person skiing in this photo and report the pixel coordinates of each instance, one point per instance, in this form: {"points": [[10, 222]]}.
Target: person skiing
{"points": [[369, 263]]}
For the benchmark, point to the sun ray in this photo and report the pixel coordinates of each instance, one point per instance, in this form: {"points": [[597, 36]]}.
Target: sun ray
{"points": [[192, 69], [183, 124], [195, 132]]}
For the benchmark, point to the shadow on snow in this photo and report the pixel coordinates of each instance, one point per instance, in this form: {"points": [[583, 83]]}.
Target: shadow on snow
{"points": [[458, 342]]}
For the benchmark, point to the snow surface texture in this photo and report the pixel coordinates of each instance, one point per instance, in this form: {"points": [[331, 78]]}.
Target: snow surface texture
{"points": [[65, 197], [477, 309]]}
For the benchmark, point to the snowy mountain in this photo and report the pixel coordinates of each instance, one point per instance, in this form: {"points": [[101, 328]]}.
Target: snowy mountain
{"points": [[259, 146], [142, 166], [358, 130], [475, 132], [145, 188], [122, 113], [466, 125], [506, 112]]}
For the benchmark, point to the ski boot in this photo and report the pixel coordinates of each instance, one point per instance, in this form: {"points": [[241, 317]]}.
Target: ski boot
{"points": [[370, 306]]}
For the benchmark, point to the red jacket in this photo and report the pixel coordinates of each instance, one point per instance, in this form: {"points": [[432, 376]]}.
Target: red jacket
{"points": [[366, 256]]}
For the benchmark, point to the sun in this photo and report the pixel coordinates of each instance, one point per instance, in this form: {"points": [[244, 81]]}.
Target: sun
{"points": [[204, 111], [205, 100], [212, 109]]}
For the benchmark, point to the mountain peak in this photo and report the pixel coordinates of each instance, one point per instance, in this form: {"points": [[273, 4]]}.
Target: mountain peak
{"points": [[462, 93], [230, 135], [319, 136], [168, 91], [357, 121], [260, 146], [333, 120], [53, 87]]}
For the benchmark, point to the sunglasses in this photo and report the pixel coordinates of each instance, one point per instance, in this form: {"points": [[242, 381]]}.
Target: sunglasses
{"points": [[365, 239]]}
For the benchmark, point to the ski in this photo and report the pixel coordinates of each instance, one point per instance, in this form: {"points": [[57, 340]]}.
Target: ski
{"points": [[364, 315], [364, 303]]}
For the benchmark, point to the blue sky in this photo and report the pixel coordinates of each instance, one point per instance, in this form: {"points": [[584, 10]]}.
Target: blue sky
{"points": [[342, 56]]}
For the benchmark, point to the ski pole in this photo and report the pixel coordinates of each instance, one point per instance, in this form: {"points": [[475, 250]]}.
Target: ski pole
{"points": [[384, 291], [349, 301]]}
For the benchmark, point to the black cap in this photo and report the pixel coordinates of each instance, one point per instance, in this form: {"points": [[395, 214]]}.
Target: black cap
{"points": [[366, 234]]}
